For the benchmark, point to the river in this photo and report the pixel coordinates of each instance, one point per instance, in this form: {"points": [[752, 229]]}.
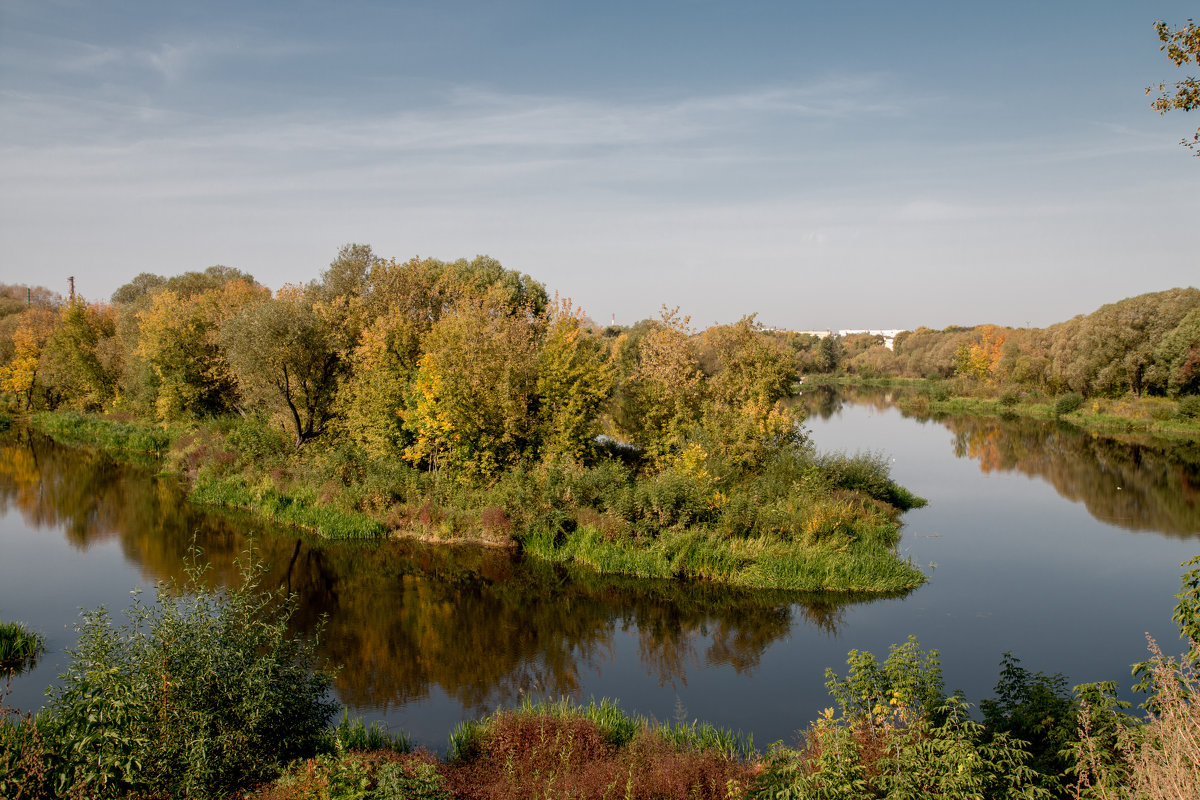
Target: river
{"points": [[1057, 545]]}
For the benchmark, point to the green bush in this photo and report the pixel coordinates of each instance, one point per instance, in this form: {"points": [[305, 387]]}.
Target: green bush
{"points": [[1009, 399], [909, 677], [867, 473], [1067, 403], [1189, 406], [200, 694], [1039, 710]]}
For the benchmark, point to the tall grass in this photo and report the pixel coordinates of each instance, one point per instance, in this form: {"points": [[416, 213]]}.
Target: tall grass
{"points": [[1157, 758], [72, 427], [19, 647], [300, 510], [357, 735]]}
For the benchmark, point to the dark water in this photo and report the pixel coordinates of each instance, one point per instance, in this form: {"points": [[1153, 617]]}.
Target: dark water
{"points": [[1057, 545]]}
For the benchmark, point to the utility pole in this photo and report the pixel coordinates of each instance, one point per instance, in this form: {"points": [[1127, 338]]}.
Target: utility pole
{"points": [[71, 281]]}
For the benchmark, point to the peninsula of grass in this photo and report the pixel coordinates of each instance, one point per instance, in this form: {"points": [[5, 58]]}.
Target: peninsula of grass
{"points": [[806, 522], [1126, 414], [19, 648], [1154, 415]]}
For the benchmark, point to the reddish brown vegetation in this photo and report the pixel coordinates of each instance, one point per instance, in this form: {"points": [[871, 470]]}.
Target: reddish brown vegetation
{"points": [[543, 756]]}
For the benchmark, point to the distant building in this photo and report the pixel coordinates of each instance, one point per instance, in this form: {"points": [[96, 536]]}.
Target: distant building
{"points": [[889, 336]]}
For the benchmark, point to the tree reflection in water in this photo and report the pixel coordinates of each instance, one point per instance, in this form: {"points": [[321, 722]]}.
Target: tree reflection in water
{"points": [[483, 626]]}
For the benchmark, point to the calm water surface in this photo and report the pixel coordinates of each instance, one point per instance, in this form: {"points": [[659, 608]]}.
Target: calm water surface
{"points": [[1057, 545]]}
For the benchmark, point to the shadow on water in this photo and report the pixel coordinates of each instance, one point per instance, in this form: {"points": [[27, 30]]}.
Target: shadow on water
{"points": [[1136, 482], [482, 626]]}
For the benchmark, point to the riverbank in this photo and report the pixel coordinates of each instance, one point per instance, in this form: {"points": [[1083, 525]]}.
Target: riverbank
{"points": [[808, 523], [1160, 416]]}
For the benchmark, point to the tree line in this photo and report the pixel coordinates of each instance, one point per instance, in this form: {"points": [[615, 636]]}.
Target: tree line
{"points": [[465, 366], [1143, 345]]}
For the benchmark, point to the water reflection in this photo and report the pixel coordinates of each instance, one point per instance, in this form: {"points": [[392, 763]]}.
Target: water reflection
{"points": [[1136, 482], [483, 626]]}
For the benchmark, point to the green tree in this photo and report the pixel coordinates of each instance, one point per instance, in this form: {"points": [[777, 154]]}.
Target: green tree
{"points": [[1177, 357], [282, 353], [1182, 47], [829, 354], [71, 364]]}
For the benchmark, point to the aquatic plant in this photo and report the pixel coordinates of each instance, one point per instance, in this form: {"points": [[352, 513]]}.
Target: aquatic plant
{"points": [[19, 648]]}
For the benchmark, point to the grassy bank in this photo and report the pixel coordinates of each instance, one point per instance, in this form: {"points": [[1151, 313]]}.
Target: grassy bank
{"points": [[807, 522], [1129, 414]]}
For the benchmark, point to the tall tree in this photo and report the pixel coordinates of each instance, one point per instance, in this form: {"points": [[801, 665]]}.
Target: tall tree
{"points": [[472, 407], [179, 338], [663, 386], [1182, 47], [574, 379], [20, 375], [283, 355]]}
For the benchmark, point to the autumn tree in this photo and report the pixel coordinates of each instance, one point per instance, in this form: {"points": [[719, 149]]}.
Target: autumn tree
{"points": [[179, 338], [748, 375], [472, 405], [1182, 46], [978, 359], [282, 354], [662, 385], [71, 364], [20, 375], [574, 380]]}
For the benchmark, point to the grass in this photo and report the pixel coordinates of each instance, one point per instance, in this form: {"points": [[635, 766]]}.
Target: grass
{"points": [[748, 563], [1157, 415], [74, 428], [19, 647], [301, 510], [357, 735]]}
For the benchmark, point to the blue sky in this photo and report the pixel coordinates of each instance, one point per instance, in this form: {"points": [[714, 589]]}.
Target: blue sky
{"points": [[845, 165]]}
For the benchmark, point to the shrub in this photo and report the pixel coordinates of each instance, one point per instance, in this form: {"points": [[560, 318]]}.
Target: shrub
{"points": [[903, 754], [595, 751], [1189, 406], [1067, 403], [379, 775], [1037, 709], [200, 694], [1009, 399], [909, 677], [867, 473]]}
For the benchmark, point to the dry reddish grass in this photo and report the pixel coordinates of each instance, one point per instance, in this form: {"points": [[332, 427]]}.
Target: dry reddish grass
{"points": [[1160, 759], [541, 756]]}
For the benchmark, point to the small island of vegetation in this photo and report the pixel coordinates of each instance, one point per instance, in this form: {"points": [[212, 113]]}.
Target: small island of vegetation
{"points": [[458, 401]]}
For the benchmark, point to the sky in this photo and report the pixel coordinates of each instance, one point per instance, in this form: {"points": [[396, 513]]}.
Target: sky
{"points": [[821, 164]]}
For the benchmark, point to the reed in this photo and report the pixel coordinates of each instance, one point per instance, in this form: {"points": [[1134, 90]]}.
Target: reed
{"points": [[19, 648]]}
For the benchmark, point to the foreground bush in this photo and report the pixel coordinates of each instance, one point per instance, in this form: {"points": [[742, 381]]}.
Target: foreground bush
{"points": [[200, 694]]}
